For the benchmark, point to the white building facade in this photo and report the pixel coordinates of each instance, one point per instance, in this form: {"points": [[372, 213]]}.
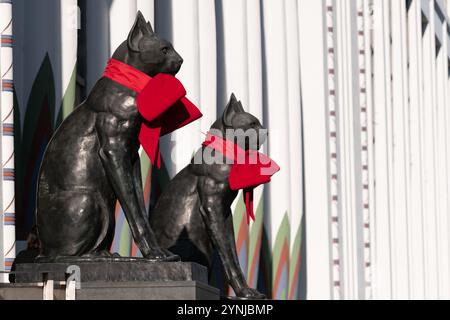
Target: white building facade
{"points": [[355, 94], [376, 188]]}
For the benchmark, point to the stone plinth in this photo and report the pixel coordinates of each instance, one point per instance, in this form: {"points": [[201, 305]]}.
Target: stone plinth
{"points": [[114, 281], [114, 272]]}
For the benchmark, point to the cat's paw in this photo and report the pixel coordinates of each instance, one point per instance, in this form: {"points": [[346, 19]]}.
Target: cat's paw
{"points": [[250, 294], [161, 254]]}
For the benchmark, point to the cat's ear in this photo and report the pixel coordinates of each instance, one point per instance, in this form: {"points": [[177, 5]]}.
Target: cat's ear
{"points": [[241, 107], [150, 28], [231, 110], [139, 31]]}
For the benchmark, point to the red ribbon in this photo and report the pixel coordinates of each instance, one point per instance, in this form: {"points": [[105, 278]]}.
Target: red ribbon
{"points": [[249, 170], [161, 102]]}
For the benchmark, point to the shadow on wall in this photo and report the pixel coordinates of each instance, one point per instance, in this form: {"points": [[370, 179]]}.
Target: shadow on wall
{"points": [[41, 110]]}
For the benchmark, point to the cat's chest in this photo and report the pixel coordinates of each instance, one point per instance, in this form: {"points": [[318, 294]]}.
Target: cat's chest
{"points": [[217, 174], [125, 110], [124, 107], [110, 97]]}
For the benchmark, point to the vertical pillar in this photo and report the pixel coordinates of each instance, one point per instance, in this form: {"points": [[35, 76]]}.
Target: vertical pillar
{"points": [[295, 144], [147, 7], [255, 107], [349, 93], [332, 143], [235, 79], [122, 14], [315, 93], [7, 197], [69, 13], [208, 65], [400, 184], [443, 166], [447, 143], [365, 25], [428, 155], [383, 153], [178, 21], [415, 74], [277, 112]]}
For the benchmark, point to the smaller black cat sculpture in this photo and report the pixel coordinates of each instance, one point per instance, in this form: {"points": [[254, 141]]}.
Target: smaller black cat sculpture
{"points": [[192, 217]]}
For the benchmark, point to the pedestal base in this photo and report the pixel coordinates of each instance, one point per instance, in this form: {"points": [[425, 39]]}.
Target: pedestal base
{"points": [[114, 281], [114, 272], [170, 290]]}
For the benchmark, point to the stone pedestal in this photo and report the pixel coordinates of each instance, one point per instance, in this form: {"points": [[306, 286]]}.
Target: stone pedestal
{"points": [[114, 281], [114, 272], [167, 290]]}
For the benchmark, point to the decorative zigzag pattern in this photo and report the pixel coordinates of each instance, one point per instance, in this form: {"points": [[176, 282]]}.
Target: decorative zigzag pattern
{"points": [[7, 206]]}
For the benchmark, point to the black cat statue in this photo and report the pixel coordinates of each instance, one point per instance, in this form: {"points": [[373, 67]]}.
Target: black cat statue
{"points": [[192, 218]]}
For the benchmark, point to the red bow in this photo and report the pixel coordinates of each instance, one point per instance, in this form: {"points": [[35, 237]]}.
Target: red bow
{"points": [[250, 168], [161, 102]]}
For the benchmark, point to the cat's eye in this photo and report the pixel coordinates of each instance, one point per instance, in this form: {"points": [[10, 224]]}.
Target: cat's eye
{"points": [[165, 50]]}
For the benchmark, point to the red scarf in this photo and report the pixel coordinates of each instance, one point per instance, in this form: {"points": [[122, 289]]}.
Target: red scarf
{"points": [[161, 102], [249, 170]]}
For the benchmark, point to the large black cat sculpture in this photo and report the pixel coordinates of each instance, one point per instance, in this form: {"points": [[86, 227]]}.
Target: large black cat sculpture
{"points": [[192, 217], [92, 161]]}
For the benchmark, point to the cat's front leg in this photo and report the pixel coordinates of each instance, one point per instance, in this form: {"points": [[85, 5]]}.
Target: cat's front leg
{"points": [[241, 289], [218, 221], [158, 253], [115, 155]]}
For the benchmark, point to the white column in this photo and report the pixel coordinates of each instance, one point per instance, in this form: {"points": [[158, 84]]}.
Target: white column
{"points": [[122, 14], [367, 137], [349, 129], [147, 7], [314, 70], [382, 284], [428, 156], [447, 143], [443, 166], [332, 145], [295, 143], [179, 147], [69, 14], [255, 107], [236, 80], [400, 186], [7, 197], [235, 50], [415, 232], [208, 65], [109, 23], [277, 112]]}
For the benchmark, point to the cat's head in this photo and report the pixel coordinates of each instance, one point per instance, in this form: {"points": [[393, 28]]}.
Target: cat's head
{"points": [[239, 126], [145, 51]]}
